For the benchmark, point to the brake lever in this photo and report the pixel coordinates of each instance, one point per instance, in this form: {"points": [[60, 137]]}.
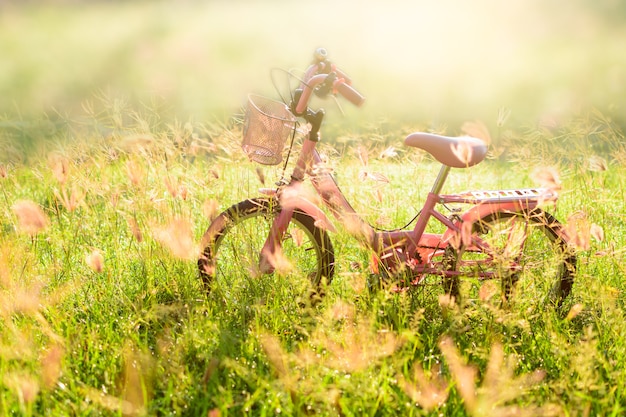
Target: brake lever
{"points": [[327, 86]]}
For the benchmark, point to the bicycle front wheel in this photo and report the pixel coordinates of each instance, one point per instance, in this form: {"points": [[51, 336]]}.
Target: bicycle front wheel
{"points": [[525, 252], [229, 264]]}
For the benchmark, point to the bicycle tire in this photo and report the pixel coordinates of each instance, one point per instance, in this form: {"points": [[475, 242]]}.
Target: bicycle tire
{"points": [[233, 242], [533, 239]]}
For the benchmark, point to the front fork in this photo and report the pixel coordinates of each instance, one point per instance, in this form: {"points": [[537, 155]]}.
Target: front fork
{"points": [[272, 248]]}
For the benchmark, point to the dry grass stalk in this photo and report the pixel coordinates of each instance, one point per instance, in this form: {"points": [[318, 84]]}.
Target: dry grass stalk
{"points": [[31, 218], [177, 236], [578, 231], [135, 172], [429, 390], [548, 177], [72, 201], [389, 152], [135, 229], [260, 175], [275, 261], [596, 232], [363, 155], [175, 188], [95, 260], [110, 402], [478, 130], [597, 164], [464, 375], [25, 386], [574, 311], [463, 152], [354, 347], [135, 380], [209, 208], [60, 168], [51, 365], [500, 384]]}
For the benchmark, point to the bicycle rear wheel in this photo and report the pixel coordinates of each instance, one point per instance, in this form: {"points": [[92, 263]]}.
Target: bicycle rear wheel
{"points": [[232, 247], [526, 254]]}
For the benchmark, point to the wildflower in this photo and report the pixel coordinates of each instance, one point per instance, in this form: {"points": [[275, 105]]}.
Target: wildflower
{"points": [[30, 216]]}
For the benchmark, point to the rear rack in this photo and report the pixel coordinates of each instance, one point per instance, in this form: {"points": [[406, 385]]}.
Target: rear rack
{"points": [[501, 196]]}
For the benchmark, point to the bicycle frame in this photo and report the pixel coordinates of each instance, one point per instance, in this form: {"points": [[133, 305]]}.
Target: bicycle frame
{"points": [[397, 249]]}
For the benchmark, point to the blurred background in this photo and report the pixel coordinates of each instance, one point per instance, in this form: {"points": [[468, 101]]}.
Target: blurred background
{"points": [[435, 63]]}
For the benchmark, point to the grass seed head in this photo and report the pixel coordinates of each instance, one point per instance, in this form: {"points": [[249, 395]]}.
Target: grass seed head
{"points": [[72, 201], [464, 375], [209, 208], [578, 231], [597, 164], [429, 390], [478, 130], [135, 229], [95, 260], [25, 386], [597, 232], [574, 311], [547, 177], [177, 236], [30, 216], [363, 155], [60, 168], [135, 172], [51, 365], [463, 152]]}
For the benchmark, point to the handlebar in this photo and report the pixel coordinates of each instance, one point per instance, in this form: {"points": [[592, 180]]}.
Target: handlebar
{"points": [[328, 76]]}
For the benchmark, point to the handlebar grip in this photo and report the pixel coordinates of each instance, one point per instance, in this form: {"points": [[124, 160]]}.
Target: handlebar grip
{"points": [[350, 94]]}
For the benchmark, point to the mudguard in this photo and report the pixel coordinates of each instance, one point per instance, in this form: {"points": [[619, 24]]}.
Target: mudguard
{"points": [[480, 211]]}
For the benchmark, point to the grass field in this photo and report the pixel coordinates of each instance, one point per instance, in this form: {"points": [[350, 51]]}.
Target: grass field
{"points": [[117, 147]]}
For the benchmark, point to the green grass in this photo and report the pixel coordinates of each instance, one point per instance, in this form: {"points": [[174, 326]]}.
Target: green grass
{"points": [[136, 334], [116, 124]]}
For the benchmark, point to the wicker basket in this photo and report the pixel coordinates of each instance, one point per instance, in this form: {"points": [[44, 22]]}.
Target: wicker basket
{"points": [[268, 124]]}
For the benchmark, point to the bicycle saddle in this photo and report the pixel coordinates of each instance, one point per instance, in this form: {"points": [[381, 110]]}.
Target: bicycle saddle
{"points": [[461, 152]]}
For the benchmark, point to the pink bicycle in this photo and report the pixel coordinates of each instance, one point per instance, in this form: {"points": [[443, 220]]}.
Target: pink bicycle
{"points": [[502, 235]]}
